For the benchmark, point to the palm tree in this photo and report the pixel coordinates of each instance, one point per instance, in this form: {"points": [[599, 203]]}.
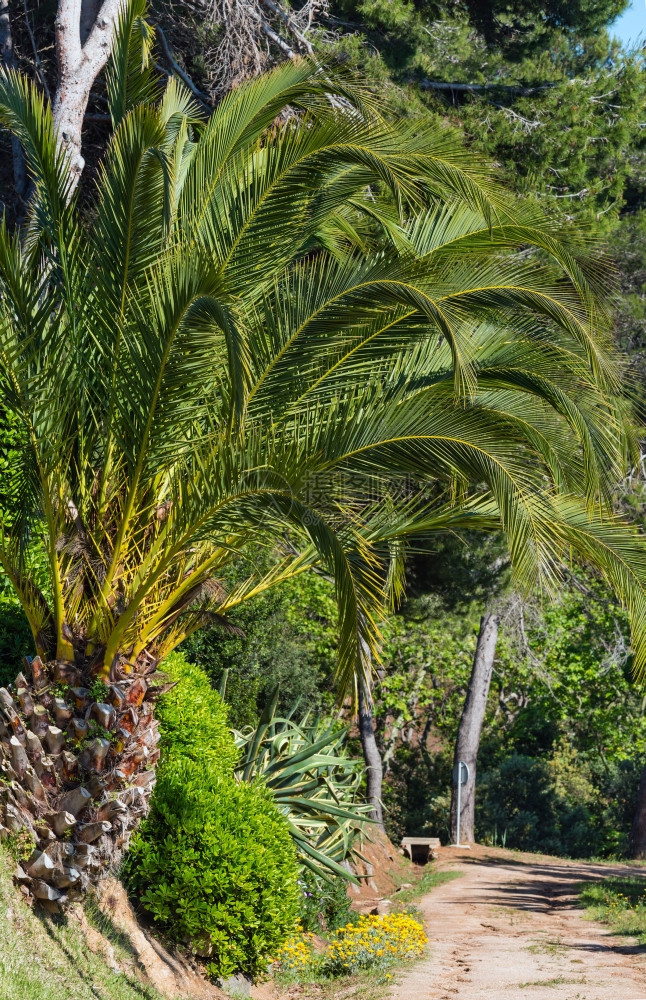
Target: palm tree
{"points": [[294, 325]]}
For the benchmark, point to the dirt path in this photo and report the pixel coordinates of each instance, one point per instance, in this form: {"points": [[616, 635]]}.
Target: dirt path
{"points": [[509, 928]]}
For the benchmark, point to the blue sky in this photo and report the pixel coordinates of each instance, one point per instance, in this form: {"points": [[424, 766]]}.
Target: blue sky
{"points": [[632, 23]]}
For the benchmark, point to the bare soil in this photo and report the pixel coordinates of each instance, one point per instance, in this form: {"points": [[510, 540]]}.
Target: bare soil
{"points": [[510, 928]]}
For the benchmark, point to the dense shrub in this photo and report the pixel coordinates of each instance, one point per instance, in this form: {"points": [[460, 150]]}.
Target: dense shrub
{"points": [[215, 866], [213, 862], [522, 803], [325, 905], [194, 719], [15, 637], [558, 805]]}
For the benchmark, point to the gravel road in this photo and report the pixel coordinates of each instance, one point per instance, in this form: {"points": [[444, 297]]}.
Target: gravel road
{"points": [[509, 928]]}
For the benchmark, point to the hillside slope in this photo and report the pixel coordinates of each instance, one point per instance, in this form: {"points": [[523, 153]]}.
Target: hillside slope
{"points": [[94, 952]]}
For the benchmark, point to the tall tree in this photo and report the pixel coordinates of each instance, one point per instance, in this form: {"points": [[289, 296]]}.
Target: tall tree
{"points": [[243, 344], [371, 754], [467, 742], [637, 845]]}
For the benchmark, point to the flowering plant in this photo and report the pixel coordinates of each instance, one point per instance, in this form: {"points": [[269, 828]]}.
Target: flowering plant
{"points": [[371, 942], [376, 942]]}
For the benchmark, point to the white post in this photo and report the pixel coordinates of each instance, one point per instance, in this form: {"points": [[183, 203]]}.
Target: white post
{"points": [[459, 802]]}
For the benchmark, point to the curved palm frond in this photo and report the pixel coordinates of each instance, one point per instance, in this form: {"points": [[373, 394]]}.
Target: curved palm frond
{"points": [[291, 333]]}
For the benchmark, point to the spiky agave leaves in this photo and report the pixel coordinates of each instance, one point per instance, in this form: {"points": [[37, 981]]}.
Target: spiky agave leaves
{"points": [[77, 769], [313, 782]]}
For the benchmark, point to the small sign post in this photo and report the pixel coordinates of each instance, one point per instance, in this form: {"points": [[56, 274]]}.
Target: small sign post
{"points": [[460, 778]]}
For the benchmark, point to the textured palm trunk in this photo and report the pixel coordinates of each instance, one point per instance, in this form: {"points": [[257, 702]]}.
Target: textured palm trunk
{"points": [[77, 773]]}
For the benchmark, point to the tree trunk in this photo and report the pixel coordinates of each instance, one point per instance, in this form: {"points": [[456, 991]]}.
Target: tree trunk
{"points": [[470, 728], [372, 757], [8, 61], [637, 848], [76, 773], [83, 45]]}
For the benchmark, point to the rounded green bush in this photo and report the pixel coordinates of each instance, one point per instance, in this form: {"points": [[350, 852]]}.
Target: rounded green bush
{"points": [[194, 719], [215, 866]]}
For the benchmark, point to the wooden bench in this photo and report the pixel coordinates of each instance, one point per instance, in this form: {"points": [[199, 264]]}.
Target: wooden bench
{"points": [[420, 849]]}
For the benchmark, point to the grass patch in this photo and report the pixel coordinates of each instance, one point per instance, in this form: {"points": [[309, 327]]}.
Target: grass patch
{"points": [[47, 958], [429, 880], [546, 946], [557, 981], [618, 902]]}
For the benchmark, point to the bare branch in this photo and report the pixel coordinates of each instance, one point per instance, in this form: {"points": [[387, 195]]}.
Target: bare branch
{"points": [[483, 88], [204, 98], [270, 33], [34, 48], [290, 24]]}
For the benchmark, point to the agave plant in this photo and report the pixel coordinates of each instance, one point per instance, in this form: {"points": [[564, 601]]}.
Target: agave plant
{"points": [[313, 782], [291, 325]]}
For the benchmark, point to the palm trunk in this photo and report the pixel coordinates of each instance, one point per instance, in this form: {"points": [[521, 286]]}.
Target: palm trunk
{"points": [[468, 740], [372, 757], [77, 773], [637, 848]]}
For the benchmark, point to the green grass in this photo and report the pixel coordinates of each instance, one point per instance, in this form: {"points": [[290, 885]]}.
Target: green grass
{"points": [[47, 958], [619, 902], [551, 983], [429, 880], [547, 946]]}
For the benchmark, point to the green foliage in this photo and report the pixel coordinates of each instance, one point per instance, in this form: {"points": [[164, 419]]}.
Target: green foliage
{"points": [[193, 719], [130, 76], [325, 904], [215, 866], [619, 902], [560, 102], [517, 26], [521, 801], [16, 639], [213, 862], [306, 317], [20, 845], [563, 804], [563, 709], [288, 640], [312, 781]]}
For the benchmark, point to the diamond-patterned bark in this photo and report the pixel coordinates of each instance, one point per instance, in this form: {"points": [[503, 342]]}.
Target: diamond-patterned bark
{"points": [[76, 774]]}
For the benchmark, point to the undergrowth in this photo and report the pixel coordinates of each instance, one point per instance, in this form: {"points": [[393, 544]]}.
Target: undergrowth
{"points": [[618, 902]]}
